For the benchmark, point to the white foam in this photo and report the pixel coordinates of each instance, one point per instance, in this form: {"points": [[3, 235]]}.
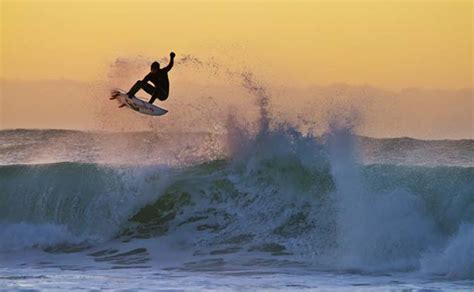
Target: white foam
{"points": [[18, 236], [376, 231]]}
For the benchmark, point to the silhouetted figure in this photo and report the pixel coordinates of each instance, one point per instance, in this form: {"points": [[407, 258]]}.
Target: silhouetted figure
{"points": [[157, 76]]}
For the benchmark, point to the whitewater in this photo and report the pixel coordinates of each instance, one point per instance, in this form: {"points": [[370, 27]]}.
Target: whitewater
{"points": [[274, 208]]}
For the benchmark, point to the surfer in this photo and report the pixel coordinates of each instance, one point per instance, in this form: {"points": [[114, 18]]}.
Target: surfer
{"points": [[157, 76]]}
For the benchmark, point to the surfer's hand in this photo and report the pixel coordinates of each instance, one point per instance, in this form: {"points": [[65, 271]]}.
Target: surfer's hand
{"points": [[172, 54]]}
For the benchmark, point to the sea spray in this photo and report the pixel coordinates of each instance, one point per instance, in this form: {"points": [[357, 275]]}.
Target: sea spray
{"points": [[376, 231], [456, 259]]}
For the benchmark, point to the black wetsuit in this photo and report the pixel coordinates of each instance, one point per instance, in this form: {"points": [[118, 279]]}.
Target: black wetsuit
{"points": [[159, 79]]}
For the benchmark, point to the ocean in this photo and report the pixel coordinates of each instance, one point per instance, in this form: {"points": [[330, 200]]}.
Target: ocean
{"points": [[279, 210]]}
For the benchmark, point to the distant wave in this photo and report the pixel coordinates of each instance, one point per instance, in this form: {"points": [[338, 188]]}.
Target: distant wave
{"points": [[29, 146]]}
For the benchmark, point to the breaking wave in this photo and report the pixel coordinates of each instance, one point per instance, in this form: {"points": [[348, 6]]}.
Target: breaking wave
{"points": [[281, 193]]}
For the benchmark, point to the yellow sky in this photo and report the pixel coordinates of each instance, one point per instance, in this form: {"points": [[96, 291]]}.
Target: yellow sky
{"points": [[391, 44]]}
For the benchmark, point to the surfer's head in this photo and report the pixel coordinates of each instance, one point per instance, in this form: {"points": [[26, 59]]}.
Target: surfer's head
{"points": [[155, 66]]}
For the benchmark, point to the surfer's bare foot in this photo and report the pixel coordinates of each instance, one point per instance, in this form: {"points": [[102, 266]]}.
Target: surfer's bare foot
{"points": [[122, 105]]}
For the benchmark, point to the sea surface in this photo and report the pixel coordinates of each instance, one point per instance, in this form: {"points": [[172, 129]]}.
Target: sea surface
{"points": [[278, 210]]}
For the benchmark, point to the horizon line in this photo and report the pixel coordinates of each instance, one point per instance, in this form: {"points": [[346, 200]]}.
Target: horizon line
{"points": [[98, 131]]}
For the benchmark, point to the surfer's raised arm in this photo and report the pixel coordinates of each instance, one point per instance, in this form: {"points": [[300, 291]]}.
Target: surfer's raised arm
{"points": [[170, 65]]}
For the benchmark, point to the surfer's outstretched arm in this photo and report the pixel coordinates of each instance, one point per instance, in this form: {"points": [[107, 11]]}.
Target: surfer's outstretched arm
{"points": [[170, 65]]}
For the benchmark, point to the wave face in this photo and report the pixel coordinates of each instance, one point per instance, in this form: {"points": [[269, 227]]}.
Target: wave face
{"points": [[281, 193], [82, 201]]}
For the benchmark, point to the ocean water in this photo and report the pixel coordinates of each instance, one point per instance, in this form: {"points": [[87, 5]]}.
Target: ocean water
{"points": [[200, 211]]}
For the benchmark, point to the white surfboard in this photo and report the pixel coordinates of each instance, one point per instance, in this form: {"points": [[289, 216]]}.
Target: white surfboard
{"points": [[136, 104]]}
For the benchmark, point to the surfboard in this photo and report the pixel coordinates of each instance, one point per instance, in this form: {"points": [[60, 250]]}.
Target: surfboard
{"points": [[136, 104]]}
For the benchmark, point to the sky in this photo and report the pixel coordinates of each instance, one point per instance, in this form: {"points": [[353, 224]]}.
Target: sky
{"points": [[391, 45]]}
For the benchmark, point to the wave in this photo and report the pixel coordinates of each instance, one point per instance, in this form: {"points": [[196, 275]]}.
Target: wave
{"points": [[281, 193], [90, 200]]}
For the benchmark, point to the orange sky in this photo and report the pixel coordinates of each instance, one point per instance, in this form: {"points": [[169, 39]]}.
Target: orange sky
{"points": [[387, 44]]}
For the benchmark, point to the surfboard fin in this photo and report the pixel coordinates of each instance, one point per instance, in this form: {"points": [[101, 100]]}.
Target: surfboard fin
{"points": [[114, 94]]}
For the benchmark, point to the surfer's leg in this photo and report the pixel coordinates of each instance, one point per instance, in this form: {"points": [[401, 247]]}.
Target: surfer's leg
{"points": [[135, 88], [152, 99], [158, 94], [150, 89], [163, 96]]}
